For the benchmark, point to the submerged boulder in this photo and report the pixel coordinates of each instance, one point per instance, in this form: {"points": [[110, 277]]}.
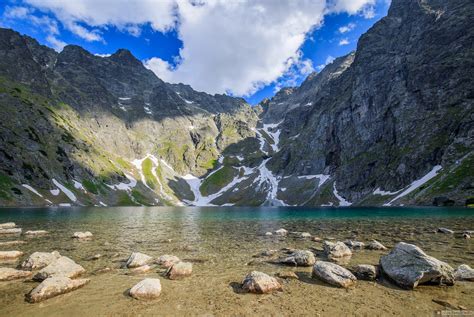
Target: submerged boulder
{"points": [[333, 274], [149, 288], [33, 233], [281, 232], [179, 270], [82, 235], [299, 258], [167, 260], [137, 259], [260, 283], [63, 266], [375, 245], [39, 260], [354, 245], [408, 266], [336, 249], [7, 225], [54, 286], [445, 231], [9, 243], [10, 255], [8, 231], [464, 273], [8, 274], [365, 272], [141, 269]]}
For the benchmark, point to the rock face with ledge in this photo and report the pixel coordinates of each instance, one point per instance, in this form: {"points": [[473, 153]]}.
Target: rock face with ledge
{"points": [[408, 266], [333, 274], [260, 283], [149, 288], [54, 286], [39, 260]]}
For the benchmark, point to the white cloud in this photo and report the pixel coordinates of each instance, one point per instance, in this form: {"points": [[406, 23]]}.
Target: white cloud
{"points": [[344, 41], [228, 46], [56, 43], [347, 28], [328, 61]]}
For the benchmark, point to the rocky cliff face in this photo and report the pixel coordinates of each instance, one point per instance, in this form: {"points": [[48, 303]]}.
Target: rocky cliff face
{"points": [[391, 123]]}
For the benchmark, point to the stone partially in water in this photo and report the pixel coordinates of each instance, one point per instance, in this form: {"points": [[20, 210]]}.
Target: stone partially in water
{"points": [[137, 259], [63, 266], [299, 258], [54, 286], [7, 225], [167, 260], [365, 272], [141, 269], [333, 274], [34, 233], [268, 233], [8, 274], [464, 273], [260, 283], [9, 231], [179, 270], [336, 249], [39, 260], [10, 255], [354, 245], [10, 243], [408, 266], [305, 235], [82, 235], [281, 232], [375, 245], [445, 231], [149, 288]]}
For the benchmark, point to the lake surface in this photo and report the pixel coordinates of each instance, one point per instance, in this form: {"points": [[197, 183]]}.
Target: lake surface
{"points": [[222, 244]]}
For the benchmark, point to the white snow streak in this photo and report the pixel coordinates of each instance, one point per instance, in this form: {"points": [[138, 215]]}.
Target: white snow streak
{"points": [[417, 183], [123, 186], [66, 191], [342, 200], [380, 192], [32, 189]]}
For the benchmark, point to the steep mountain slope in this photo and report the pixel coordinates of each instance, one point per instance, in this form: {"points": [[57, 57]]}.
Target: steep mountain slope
{"points": [[389, 113], [392, 123]]}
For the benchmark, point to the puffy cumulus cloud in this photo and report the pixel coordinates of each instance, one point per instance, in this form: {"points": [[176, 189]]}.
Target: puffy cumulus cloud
{"points": [[126, 15], [228, 46]]}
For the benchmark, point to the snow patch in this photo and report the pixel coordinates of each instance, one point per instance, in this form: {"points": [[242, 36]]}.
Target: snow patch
{"points": [[65, 190], [274, 135], [124, 98], [64, 205], [123, 186], [378, 191], [55, 192], [32, 190], [417, 183], [342, 201], [147, 110], [78, 185], [102, 204], [321, 177]]}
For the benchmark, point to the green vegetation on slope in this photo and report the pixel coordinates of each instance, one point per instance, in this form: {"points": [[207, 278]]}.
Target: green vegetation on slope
{"points": [[219, 179]]}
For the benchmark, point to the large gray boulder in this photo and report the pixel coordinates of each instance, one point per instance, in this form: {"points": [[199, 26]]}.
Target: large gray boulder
{"points": [[39, 260], [54, 286], [63, 266], [137, 259], [149, 288], [333, 274], [260, 283], [408, 266], [299, 258]]}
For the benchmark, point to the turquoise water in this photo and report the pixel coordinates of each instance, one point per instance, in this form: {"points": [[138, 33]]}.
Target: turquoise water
{"points": [[230, 213], [221, 243]]}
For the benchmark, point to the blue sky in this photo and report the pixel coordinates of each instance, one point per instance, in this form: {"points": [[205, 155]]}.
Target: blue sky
{"points": [[247, 49]]}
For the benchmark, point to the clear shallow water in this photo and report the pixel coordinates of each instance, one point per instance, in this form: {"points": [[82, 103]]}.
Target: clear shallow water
{"points": [[221, 242]]}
